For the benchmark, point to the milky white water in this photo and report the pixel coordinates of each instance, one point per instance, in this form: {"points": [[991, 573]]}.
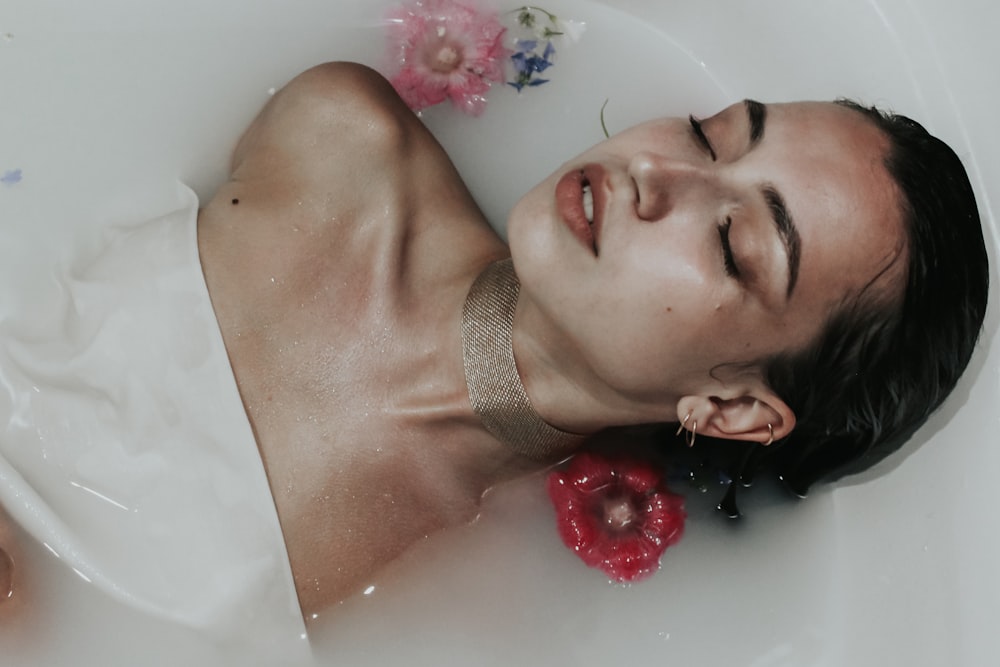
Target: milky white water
{"points": [[107, 104]]}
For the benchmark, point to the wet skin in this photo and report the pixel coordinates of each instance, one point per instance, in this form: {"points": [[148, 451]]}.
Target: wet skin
{"points": [[713, 243], [339, 255]]}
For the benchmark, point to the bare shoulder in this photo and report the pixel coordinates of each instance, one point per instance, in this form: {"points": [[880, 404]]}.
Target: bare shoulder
{"points": [[332, 121], [335, 173]]}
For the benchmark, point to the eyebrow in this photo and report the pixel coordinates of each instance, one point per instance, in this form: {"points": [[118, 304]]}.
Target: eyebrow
{"points": [[756, 116], [787, 231]]}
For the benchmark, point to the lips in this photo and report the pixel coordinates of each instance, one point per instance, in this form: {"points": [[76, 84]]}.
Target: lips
{"points": [[579, 201]]}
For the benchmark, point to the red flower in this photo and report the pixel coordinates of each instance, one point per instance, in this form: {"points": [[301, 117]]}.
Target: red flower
{"points": [[616, 514], [445, 49]]}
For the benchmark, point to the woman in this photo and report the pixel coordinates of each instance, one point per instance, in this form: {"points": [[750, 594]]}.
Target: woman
{"points": [[682, 271], [658, 272]]}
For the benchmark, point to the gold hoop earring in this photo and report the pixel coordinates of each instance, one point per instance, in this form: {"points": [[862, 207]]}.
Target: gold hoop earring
{"points": [[692, 434], [770, 435], [681, 427]]}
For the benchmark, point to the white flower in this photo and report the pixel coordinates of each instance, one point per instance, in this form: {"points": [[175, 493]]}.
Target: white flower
{"points": [[571, 30]]}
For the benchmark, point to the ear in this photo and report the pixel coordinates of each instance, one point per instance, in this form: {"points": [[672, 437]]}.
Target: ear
{"points": [[756, 415]]}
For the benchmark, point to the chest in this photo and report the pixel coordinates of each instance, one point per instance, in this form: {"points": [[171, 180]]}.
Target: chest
{"points": [[344, 336]]}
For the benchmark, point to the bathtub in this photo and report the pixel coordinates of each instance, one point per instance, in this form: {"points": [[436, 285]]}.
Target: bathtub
{"points": [[107, 104]]}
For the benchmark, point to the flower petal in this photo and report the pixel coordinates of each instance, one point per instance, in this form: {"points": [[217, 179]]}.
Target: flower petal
{"points": [[589, 472], [638, 477], [420, 31], [581, 494], [626, 559], [573, 30]]}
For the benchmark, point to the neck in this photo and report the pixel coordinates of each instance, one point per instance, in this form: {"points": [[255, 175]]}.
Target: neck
{"points": [[495, 387], [565, 389]]}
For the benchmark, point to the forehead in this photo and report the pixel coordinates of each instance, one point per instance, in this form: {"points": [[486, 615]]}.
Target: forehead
{"points": [[831, 162], [815, 126], [828, 163]]}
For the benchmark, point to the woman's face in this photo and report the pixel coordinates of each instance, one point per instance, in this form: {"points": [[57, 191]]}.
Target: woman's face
{"points": [[712, 243]]}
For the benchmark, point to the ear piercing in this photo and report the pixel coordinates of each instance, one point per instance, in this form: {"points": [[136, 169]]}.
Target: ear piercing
{"points": [[691, 434], [681, 427]]}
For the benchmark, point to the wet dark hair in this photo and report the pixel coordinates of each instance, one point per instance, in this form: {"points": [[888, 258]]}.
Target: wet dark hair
{"points": [[881, 367]]}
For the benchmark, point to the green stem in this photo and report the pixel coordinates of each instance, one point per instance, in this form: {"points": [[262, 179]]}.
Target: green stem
{"points": [[603, 126], [531, 8]]}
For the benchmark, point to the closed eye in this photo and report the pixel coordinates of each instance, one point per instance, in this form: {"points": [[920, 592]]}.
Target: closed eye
{"points": [[699, 135], [728, 260]]}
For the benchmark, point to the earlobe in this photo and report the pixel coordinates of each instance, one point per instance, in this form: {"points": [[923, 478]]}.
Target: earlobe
{"points": [[763, 418]]}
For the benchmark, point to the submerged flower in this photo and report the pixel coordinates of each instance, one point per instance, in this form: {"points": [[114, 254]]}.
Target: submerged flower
{"points": [[11, 177], [527, 62], [549, 25], [535, 48], [446, 49], [616, 514]]}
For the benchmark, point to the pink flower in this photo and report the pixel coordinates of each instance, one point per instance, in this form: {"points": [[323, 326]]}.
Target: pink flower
{"points": [[445, 49], [616, 514]]}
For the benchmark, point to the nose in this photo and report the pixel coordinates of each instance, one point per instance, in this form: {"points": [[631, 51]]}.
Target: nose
{"points": [[659, 182]]}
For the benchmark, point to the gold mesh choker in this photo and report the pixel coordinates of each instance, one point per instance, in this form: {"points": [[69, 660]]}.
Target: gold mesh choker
{"points": [[495, 387]]}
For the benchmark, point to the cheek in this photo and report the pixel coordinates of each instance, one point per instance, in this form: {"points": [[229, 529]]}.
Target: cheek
{"points": [[691, 318], [522, 213], [669, 276], [666, 278], [657, 323], [529, 238]]}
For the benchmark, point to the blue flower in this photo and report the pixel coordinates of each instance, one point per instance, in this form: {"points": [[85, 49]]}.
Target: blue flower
{"points": [[527, 63]]}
